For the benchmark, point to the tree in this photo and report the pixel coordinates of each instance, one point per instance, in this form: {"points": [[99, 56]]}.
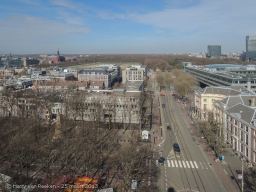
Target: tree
{"points": [[183, 82], [160, 79]]}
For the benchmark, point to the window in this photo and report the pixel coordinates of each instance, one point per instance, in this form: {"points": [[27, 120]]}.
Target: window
{"points": [[235, 122], [205, 106], [246, 151], [242, 136], [242, 148], [246, 128], [241, 126], [205, 100], [235, 131], [246, 139]]}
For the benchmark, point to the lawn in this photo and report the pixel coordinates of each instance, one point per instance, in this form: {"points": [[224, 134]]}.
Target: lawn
{"points": [[123, 65]]}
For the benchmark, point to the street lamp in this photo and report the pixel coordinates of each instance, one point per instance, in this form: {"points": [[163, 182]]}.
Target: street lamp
{"points": [[242, 174]]}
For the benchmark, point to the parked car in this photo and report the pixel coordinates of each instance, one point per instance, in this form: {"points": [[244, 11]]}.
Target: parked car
{"points": [[161, 160], [169, 128], [163, 105], [161, 94], [176, 148]]}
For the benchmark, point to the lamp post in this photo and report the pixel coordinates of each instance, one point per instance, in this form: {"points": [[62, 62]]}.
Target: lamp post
{"points": [[242, 174]]}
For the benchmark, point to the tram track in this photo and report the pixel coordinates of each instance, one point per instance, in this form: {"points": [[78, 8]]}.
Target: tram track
{"points": [[184, 146]]}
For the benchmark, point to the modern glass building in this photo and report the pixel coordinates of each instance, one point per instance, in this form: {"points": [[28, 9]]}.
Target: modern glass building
{"points": [[250, 48], [214, 51]]}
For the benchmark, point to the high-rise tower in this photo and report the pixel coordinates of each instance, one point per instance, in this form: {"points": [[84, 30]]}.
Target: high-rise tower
{"points": [[213, 51], [251, 48]]}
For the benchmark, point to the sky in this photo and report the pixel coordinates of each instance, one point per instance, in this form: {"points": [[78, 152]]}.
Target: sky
{"points": [[124, 26]]}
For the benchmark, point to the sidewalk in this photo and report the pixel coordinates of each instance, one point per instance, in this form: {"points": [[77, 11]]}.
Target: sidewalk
{"points": [[156, 131], [227, 169]]}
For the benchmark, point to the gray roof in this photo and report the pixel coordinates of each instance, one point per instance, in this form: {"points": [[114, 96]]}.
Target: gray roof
{"points": [[242, 112], [221, 91], [231, 101]]}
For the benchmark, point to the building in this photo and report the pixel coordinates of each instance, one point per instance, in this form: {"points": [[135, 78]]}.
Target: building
{"points": [[224, 75], [55, 58], [205, 98], [135, 72], [29, 61], [213, 51], [251, 48], [236, 117], [98, 74]]}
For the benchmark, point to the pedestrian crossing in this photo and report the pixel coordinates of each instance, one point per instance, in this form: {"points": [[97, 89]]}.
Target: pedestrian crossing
{"points": [[186, 164]]}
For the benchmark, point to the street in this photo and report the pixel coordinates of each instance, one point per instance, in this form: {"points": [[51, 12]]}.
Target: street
{"points": [[190, 170]]}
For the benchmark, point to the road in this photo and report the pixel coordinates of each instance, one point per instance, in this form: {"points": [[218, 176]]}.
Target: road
{"points": [[190, 170]]}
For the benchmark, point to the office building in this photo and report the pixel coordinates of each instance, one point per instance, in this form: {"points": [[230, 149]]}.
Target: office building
{"points": [[213, 51], [251, 48], [134, 73], [224, 75]]}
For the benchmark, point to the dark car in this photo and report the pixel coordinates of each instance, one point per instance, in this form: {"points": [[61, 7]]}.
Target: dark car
{"points": [[176, 147], [169, 128], [163, 105], [161, 160]]}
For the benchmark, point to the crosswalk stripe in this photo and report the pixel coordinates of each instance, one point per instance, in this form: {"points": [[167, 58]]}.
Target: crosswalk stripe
{"points": [[172, 163], [184, 164], [176, 163], [201, 165], [191, 164], [195, 164], [205, 165]]}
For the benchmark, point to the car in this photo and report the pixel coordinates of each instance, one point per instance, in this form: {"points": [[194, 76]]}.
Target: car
{"points": [[176, 147], [163, 105], [169, 128], [161, 160], [161, 94]]}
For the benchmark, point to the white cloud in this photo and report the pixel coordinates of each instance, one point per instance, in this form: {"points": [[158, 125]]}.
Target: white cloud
{"points": [[23, 30], [207, 18]]}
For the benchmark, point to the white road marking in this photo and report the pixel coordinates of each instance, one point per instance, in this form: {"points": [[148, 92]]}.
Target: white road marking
{"points": [[168, 162], [180, 164], [205, 165], [201, 165], [195, 165], [176, 164], [172, 163], [225, 171], [184, 164], [188, 164], [191, 163]]}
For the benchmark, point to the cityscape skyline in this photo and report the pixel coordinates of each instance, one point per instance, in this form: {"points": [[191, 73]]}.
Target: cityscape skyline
{"points": [[134, 27]]}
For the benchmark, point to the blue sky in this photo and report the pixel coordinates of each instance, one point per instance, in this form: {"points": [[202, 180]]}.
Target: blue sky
{"points": [[124, 26]]}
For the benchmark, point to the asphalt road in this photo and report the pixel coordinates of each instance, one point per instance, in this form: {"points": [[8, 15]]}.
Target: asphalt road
{"points": [[190, 170]]}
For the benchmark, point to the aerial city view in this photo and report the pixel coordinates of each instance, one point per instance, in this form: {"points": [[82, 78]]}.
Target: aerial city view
{"points": [[127, 96]]}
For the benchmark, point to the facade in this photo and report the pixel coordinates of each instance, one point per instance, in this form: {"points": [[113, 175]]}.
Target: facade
{"points": [[27, 62], [224, 75], [205, 98], [213, 51], [55, 58], [98, 75], [236, 117], [136, 72], [251, 48]]}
